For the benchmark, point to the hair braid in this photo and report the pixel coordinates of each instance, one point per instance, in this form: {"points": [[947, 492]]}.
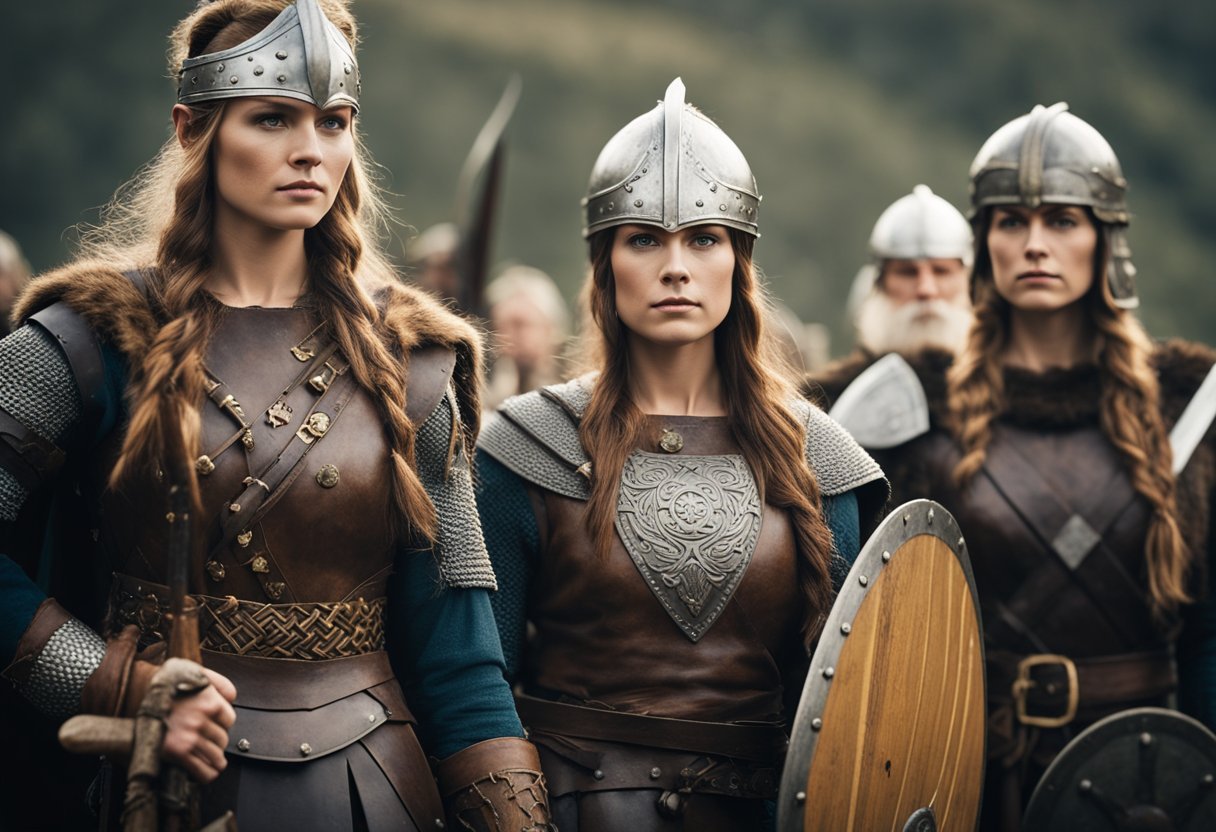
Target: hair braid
{"points": [[757, 393]]}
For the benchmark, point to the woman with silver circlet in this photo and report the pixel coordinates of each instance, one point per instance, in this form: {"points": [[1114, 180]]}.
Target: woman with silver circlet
{"points": [[669, 525], [233, 329], [1087, 520]]}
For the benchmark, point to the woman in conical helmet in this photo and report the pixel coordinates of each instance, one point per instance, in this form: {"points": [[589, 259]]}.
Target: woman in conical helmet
{"points": [[1086, 518], [234, 330], [670, 524]]}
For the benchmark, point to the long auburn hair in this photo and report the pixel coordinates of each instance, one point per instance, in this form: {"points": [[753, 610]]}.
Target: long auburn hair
{"points": [[758, 388], [163, 218], [1130, 412]]}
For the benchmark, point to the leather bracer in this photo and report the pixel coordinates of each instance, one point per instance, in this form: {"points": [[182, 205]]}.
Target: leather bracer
{"points": [[495, 786]]}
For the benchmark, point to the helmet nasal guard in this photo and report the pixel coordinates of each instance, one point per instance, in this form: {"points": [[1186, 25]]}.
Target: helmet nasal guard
{"points": [[1050, 156], [671, 167]]}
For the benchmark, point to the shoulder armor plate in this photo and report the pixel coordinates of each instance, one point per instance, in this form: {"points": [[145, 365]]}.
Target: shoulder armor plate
{"points": [[885, 406]]}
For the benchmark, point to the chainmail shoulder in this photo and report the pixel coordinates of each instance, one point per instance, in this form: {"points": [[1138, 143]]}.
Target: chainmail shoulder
{"points": [[463, 560], [839, 463], [535, 435], [66, 662], [40, 392]]}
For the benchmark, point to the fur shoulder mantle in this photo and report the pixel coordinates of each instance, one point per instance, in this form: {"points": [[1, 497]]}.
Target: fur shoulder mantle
{"points": [[117, 310]]}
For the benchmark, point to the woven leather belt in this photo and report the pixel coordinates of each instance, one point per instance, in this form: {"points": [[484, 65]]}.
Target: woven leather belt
{"points": [[725, 739], [1049, 691], [310, 631]]}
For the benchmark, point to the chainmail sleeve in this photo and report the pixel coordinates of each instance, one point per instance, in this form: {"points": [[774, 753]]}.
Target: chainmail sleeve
{"points": [[39, 396], [463, 561], [39, 392]]}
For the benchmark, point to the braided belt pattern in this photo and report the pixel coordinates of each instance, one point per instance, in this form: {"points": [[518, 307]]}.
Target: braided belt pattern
{"points": [[310, 631], [292, 631]]}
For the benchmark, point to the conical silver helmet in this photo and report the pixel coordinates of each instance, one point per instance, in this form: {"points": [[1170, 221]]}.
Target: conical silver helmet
{"points": [[300, 55], [1050, 156], [671, 167], [919, 226]]}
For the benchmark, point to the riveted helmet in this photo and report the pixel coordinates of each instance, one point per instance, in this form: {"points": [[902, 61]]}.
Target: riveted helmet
{"points": [[301, 54], [1049, 156], [671, 167]]}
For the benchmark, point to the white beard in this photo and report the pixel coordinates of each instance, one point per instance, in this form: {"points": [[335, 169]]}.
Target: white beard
{"points": [[884, 326]]}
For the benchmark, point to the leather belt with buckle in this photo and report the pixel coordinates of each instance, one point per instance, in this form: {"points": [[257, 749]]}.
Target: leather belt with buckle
{"points": [[1025, 682]]}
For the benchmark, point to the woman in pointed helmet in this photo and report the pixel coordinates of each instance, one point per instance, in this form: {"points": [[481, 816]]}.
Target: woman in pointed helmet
{"points": [[233, 329], [670, 524], [1084, 498]]}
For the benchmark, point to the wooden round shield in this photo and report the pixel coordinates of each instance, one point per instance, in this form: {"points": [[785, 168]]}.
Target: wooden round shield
{"points": [[889, 733]]}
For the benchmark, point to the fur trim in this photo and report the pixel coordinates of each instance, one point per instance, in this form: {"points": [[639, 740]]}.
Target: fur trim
{"points": [[1181, 367], [110, 303], [414, 318], [122, 316]]}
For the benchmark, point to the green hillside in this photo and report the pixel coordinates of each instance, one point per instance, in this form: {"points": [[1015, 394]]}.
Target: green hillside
{"points": [[840, 107]]}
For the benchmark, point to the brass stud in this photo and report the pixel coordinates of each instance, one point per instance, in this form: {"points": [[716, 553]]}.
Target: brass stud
{"points": [[327, 476], [243, 539], [170, 517], [305, 749], [243, 744], [204, 465], [671, 441], [216, 570], [234, 507], [656, 773], [260, 565], [275, 589]]}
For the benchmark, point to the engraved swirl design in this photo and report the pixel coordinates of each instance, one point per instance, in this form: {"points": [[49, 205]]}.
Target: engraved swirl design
{"points": [[690, 524]]}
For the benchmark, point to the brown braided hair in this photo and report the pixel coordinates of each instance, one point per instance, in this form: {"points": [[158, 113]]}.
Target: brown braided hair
{"points": [[757, 388], [1130, 412], [167, 389]]}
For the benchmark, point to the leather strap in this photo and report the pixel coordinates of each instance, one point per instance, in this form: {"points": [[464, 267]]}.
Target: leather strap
{"points": [[726, 739], [1103, 682], [83, 352], [28, 457], [1055, 526]]}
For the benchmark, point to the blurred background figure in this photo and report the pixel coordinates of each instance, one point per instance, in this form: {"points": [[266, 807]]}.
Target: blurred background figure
{"points": [[912, 298], [431, 259], [531, 324], [14, 274], [914, 293]]}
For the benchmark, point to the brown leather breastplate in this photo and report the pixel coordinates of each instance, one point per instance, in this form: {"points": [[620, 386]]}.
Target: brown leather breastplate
{"points": [[1056, 535], [327, 535], [602, 635]]}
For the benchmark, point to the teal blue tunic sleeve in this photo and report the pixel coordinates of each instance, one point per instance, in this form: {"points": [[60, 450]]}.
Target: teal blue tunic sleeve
{"points": [[445, 650], [512, 539]]}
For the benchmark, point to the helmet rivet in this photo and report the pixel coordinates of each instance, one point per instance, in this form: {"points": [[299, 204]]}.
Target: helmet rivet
{"points": [[250, 59], [346, 69], [233, 79], [257, 70], [281, 55], [713, 188], [722, 207], [738, 196], [219, 68], [637, 203], [644, 170], [194, 80], [700, 203], [281, 78]]}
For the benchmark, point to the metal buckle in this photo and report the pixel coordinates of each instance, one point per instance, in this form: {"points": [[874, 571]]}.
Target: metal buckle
{"points": [[1023, 683]]}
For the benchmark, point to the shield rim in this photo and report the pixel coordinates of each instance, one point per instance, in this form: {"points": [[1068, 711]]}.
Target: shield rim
{"points": [[912, 519], [1102, 732]]}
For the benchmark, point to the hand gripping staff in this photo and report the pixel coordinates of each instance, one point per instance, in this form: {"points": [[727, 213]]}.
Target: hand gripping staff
{"points": [[159, 798]]}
